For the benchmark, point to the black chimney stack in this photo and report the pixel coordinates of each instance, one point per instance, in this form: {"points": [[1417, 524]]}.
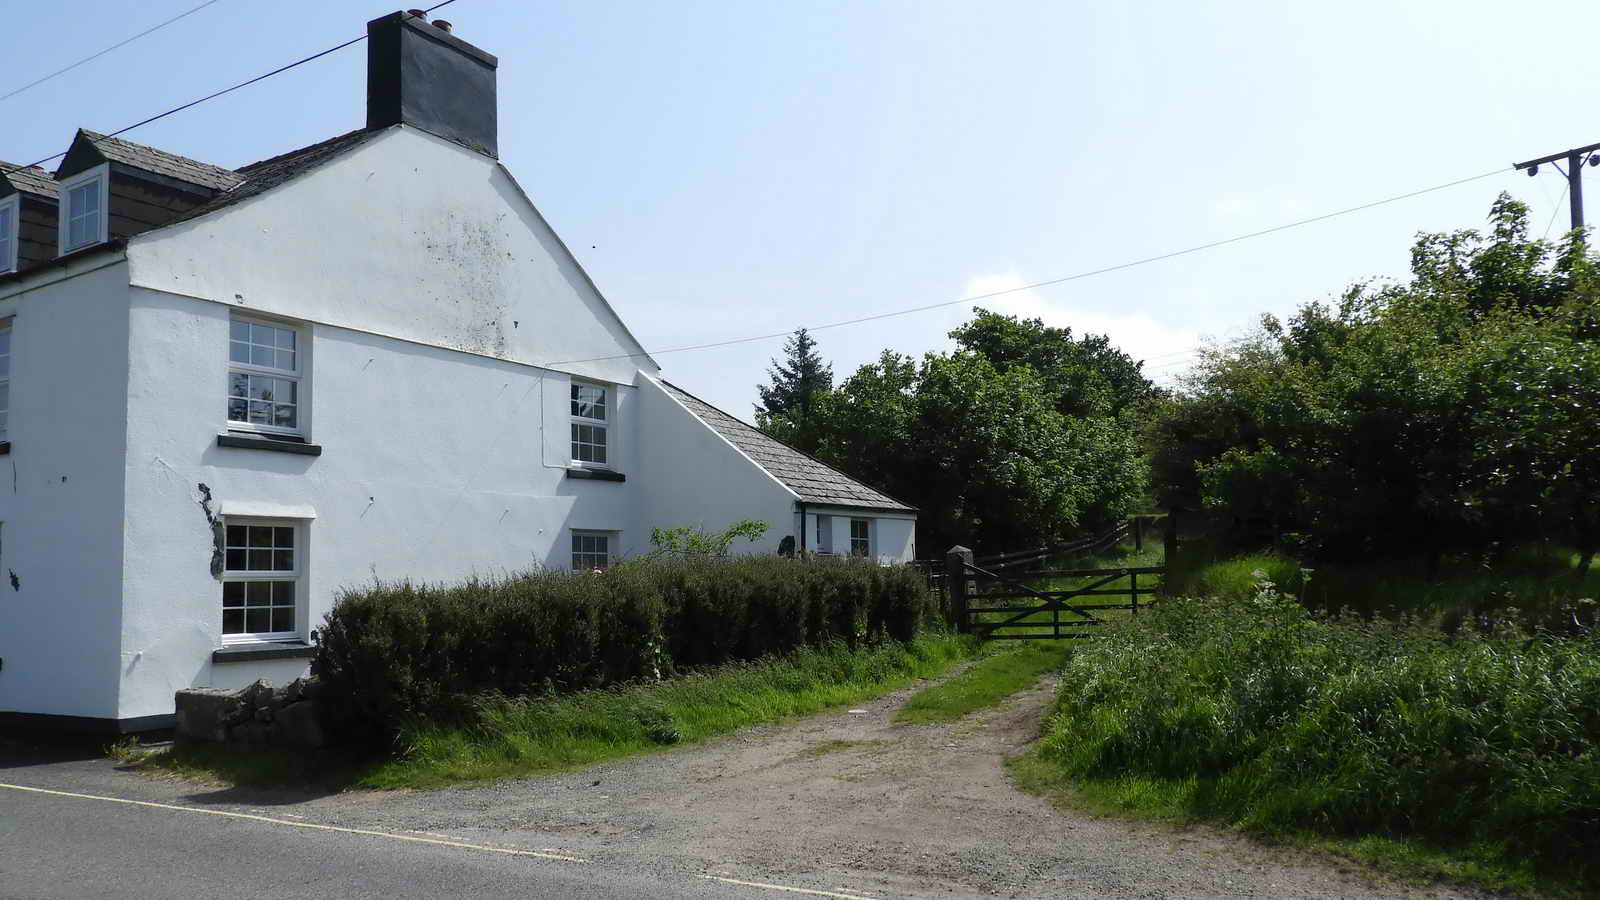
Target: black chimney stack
{"points": [[430, 79]]}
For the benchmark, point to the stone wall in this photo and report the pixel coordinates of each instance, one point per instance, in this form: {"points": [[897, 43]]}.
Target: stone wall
{"points": [[258, 714]]}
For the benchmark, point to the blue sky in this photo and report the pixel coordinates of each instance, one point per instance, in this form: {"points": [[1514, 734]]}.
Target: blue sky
{"points": [[725, 169]]}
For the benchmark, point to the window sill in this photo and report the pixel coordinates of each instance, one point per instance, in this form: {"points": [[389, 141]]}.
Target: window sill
{"points": [[596, 474], [264, 650], [280, 445]]}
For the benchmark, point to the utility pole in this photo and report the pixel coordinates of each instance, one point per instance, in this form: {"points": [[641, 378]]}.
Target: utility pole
{"points": [[1575, 158]]}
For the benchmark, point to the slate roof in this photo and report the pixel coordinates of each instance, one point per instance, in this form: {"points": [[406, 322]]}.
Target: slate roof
{"points": [[814, 481], [161, 162], [269, 173], [30, 179]]}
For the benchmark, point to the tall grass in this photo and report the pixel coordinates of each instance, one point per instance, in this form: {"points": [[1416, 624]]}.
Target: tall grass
{"points": [[1258, 713], [1538, 588]]}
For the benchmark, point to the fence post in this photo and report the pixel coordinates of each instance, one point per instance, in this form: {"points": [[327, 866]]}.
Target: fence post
{"points": [[955, 579], [1170, 551]]}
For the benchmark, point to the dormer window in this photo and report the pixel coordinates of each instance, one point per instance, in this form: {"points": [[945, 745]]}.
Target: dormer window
{"points": [[83, 209], [9, 207]]}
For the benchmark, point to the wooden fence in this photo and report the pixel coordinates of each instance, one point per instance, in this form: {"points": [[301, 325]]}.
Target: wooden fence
{"points": [[990, 596]]}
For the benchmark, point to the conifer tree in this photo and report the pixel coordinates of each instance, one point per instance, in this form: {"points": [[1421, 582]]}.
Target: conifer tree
{"points": [[798, 381]]}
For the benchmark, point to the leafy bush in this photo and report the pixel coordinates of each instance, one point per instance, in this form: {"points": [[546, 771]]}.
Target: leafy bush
{"points": [[1451, 412], [1280, 720], [693, 540], [394, 652]]}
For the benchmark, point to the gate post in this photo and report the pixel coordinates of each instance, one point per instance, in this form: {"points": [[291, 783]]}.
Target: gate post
{"points": [[1170, 551], [956, 578]]}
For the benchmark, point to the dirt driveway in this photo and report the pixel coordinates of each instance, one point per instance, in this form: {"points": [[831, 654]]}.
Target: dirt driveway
{"points": [[845, 805], [849, 803]]}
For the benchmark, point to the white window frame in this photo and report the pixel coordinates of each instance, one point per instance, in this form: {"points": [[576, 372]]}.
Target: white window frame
{"points": [[605, 424], [612, 540], [294, 576], [10, 243], [302, 346], [64, 192], [866, 552], [5, 378]]}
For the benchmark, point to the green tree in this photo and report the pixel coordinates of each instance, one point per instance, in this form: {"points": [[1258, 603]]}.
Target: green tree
{"points": [[789, 400], [982, 452], [1448, 411], [1085, 376]]}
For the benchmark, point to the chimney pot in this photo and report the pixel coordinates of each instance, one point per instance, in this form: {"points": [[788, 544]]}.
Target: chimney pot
{"points": [[442, 25], [421, 14]]}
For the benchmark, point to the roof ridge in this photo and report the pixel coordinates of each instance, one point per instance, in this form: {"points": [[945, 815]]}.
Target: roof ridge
{"points": [[247, 168], [220, 174]]}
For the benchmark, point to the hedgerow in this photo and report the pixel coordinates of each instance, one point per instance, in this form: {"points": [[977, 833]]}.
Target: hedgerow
{"points": [[392, 653], [1281, 720]]}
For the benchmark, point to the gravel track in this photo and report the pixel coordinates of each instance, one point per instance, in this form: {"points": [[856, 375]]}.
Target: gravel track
{"points": [[844, 802]]}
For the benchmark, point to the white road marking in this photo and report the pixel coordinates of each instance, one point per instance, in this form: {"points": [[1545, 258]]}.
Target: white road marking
{"points": [[271, 821], [781, 887]]}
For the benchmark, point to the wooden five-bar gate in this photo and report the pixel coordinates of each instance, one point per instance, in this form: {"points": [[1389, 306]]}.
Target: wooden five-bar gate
{"points": [[991, 597]]}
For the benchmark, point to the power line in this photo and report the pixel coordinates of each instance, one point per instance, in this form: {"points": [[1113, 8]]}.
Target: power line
{"points": [[1555, 212], [228, 90], [1048, 282], [123, 43]]}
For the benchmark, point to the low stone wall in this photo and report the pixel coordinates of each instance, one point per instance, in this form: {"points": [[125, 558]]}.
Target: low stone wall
{"points": [[259, 714]]}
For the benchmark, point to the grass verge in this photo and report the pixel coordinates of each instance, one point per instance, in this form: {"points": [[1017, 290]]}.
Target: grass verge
{"points": [[1179, 801], [986, 683], [524, 737]]}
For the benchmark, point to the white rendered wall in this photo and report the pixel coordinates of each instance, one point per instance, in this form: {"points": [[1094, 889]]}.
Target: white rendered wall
{"points": [[892, 535], [407, 235], [691, 475], [436, 465], [61, 494], [894, 538]]}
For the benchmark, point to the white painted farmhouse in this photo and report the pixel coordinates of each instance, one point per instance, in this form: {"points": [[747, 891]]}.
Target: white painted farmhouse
{"points": [[225, 394]]}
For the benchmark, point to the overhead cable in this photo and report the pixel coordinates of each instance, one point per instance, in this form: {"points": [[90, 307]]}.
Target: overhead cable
{"points": [[213, 96], [92, 57], [1050, 281]]}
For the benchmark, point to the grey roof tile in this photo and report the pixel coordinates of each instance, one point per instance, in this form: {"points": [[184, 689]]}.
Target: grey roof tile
{"points": [[814, 481], [266, 174], [161, 162], [30, 179]]}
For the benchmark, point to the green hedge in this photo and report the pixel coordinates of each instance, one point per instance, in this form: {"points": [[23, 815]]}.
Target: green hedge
{"points": [[1281, 720], [393, 652]]}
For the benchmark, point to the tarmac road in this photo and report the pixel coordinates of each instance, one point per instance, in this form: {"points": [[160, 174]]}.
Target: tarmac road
{"points": [[54, 846]]}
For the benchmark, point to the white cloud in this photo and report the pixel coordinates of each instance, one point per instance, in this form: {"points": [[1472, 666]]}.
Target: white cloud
{"points": [[1165, 349]]}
